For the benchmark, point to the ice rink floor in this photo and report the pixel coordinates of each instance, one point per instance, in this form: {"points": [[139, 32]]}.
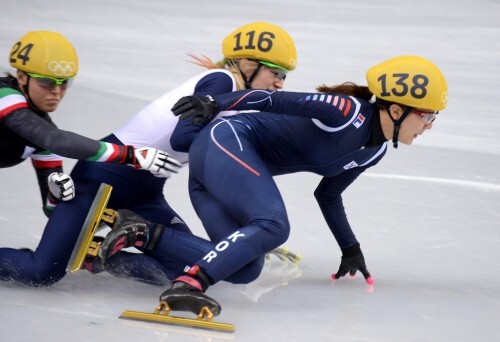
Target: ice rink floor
{"points": [[427, 217]]}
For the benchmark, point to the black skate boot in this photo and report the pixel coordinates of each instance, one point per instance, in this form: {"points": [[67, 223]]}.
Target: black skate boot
{"points": [[186, 294], [130, 230]]}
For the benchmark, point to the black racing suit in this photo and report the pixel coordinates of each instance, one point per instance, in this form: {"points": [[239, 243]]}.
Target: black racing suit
{"points": [[14, 148]]}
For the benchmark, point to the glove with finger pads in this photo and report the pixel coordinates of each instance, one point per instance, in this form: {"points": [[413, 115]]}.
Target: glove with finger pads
{"points": [[199, 108], [158, 162], [353, 261], [61, 186]]}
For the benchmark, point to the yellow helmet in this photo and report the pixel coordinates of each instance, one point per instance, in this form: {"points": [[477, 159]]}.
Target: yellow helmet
{"points": [[45, 53], [267, 43], [411, 81]]}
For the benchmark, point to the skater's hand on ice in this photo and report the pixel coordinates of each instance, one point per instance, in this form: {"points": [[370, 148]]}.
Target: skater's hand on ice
{"points": [[353, 261], [198, 108], [284, 254], [61, 187], [158, 162]]}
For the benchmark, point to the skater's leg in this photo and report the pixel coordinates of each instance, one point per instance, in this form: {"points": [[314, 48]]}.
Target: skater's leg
{"points": [[47, 264], [132, 230], [137, 266], [219, 224], [157, 210], [252, 198]]}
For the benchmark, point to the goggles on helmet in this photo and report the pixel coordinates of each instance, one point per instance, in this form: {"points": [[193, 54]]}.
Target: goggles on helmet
{"points": [[278, 71], [47, 82], [427, 117]]}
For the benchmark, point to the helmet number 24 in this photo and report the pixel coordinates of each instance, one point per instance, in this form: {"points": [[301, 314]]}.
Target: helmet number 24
{"points": [[264, 41], [417, 88], [20, 52]]}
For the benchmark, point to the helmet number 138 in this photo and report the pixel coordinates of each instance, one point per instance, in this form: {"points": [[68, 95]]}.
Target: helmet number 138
{"points": [[264, 41], [417, 88]]}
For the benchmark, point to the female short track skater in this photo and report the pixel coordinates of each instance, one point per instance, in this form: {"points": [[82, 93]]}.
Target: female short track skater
{"points": [[337, 133]]}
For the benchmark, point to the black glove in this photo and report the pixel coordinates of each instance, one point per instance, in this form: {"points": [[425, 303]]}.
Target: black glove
{"points": [[199, 108], [353, 261]]}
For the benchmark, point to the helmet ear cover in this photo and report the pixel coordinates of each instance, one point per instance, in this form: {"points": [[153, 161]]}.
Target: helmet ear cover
{"points": [[45, 53], [411, 81], [261, 41]]}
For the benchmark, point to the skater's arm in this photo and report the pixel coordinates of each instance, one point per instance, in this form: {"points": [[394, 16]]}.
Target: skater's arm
{"points": [[44, 164], [219, 82], [330, 109], [328, 194], [329, 197], [324, 107], [44, 134]]}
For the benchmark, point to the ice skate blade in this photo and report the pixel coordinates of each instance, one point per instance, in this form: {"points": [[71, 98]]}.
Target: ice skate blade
{"points": [[97, 213], [161, 315]]}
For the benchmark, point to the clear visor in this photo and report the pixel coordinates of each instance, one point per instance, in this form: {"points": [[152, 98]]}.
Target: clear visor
{"points": [[427, 117]]}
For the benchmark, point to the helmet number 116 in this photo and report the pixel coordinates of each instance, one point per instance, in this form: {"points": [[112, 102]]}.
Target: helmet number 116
{"points": [[264, 41]]}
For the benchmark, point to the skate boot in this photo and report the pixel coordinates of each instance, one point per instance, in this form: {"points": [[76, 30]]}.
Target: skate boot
{"points": [[130, 230], [186, 294]]}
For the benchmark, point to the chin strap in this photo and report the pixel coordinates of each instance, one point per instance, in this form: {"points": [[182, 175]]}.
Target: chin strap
{"points": [[249, 81], [26, 91], [397, 123]]}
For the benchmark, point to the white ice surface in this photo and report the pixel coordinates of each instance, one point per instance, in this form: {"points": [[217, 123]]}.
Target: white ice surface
{"points": [[428, 217]]}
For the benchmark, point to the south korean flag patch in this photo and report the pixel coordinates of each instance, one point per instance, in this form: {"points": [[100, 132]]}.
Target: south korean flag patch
{"points": [[359, 121]]}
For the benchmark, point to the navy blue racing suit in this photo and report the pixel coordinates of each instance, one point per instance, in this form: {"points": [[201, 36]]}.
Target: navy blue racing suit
{"points": [[234, 159]]}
